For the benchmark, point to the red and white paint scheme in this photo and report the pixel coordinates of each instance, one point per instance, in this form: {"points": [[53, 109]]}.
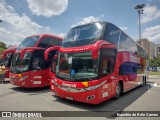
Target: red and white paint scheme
{"points": [[96, 62], [30, 66]]}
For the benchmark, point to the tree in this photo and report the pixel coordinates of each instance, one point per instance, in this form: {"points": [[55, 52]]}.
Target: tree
{"points": [[154, 62], [3, 46]]}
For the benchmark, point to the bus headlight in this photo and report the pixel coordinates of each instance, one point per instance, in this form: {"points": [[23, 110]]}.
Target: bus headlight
{"points": [[23, 78], [96, 86]]}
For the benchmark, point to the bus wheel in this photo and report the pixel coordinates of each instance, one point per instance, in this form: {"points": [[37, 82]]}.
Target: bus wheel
{"points": [[143, 81], [118, 91]]}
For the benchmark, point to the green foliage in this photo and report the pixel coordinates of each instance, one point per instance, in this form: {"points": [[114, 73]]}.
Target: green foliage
{"points": [[154, 62], [3, 46]]}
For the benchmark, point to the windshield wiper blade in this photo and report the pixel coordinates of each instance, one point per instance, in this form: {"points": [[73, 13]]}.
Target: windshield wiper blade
{"points": [[17, 70]]}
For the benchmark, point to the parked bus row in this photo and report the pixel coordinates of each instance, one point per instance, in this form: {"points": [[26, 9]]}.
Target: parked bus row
{"points": [[28, 67], [95, 62]]}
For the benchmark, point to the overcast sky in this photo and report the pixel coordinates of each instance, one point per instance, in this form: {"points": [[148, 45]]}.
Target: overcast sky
{"points": [[22, 18]]}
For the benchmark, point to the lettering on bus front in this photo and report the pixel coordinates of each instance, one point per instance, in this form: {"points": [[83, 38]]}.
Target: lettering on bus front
{"points": [[69, 85]]}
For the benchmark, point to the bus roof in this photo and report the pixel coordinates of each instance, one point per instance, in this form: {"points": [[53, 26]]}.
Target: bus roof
{"points": [[45, 35], [128, 40]]}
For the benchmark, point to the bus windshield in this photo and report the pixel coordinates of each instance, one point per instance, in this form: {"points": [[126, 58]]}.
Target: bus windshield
{"points": [[7, 60], [77, 66], [83, 35], [20, 65], [28, 42]]}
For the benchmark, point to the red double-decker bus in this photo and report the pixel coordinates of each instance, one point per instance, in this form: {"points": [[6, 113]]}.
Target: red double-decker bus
{"points": [[29, 67], [6, 58], [96, 62]]}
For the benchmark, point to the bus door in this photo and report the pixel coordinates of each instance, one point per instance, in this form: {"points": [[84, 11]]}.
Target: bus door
{"points": [[39, 69], [107, 65]]}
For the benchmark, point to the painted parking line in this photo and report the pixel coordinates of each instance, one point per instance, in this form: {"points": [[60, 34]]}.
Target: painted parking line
{"points": [[152, 85]]}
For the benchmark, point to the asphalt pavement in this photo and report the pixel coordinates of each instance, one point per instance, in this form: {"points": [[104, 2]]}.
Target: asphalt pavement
{"points": [[14, 98]]}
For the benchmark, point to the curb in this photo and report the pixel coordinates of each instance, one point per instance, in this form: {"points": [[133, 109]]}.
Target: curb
{"points": [[154, 76]]}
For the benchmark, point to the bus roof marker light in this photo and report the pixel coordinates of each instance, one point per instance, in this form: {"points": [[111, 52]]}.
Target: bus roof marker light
{"points": [[85, 84]]}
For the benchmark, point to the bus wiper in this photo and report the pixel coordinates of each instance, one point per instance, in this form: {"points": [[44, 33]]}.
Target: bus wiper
{"points": [[90, 78], [18, 70], [63, 76]]}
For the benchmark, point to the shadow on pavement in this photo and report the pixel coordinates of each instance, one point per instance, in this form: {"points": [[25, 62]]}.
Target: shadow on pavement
{"points": [[32, 91], [5, 82], [124, 101]]}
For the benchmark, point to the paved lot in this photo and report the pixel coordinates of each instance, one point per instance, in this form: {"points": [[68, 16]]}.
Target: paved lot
{"points": [[14, 98]]}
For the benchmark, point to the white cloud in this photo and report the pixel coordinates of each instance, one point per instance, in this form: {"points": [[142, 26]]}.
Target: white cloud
{"points": [[16, 27], [150, 13], [47, 8], [124, 28], [152, 33], [61, 35], [86, 20]]}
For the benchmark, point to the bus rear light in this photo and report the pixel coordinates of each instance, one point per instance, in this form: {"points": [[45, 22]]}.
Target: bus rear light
{"points": [[91, 97]]}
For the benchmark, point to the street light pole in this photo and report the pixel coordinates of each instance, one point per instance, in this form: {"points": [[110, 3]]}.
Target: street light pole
{"points": [[139, 9], [139, 27]]}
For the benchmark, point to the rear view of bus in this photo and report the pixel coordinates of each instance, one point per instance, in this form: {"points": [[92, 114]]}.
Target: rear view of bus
{"points": [[29, 68], [96, 62]]}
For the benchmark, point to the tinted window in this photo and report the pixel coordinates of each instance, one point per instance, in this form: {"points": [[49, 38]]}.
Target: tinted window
{"points": [[8, 59], [126, 43], [112, 34], [38, 61], [20, 65], [28, 42], [77, 66], [83, 35], [47, 42], [128, 68], [141, 51], [107, 61]]}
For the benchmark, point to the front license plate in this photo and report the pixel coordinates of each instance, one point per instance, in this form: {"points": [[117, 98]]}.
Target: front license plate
{"points": [[69, 98]]}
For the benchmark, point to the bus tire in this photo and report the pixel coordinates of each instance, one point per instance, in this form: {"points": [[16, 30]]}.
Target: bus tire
{"points": [[144, 81], [118, 91]]}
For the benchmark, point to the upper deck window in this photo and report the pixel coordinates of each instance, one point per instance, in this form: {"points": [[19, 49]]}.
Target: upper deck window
{"points": [[28, 42], [83, 35], [47, 42]]}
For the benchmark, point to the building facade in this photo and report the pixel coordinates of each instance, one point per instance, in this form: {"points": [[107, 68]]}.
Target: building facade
{"points": [[158, 50], [151, 48]]}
